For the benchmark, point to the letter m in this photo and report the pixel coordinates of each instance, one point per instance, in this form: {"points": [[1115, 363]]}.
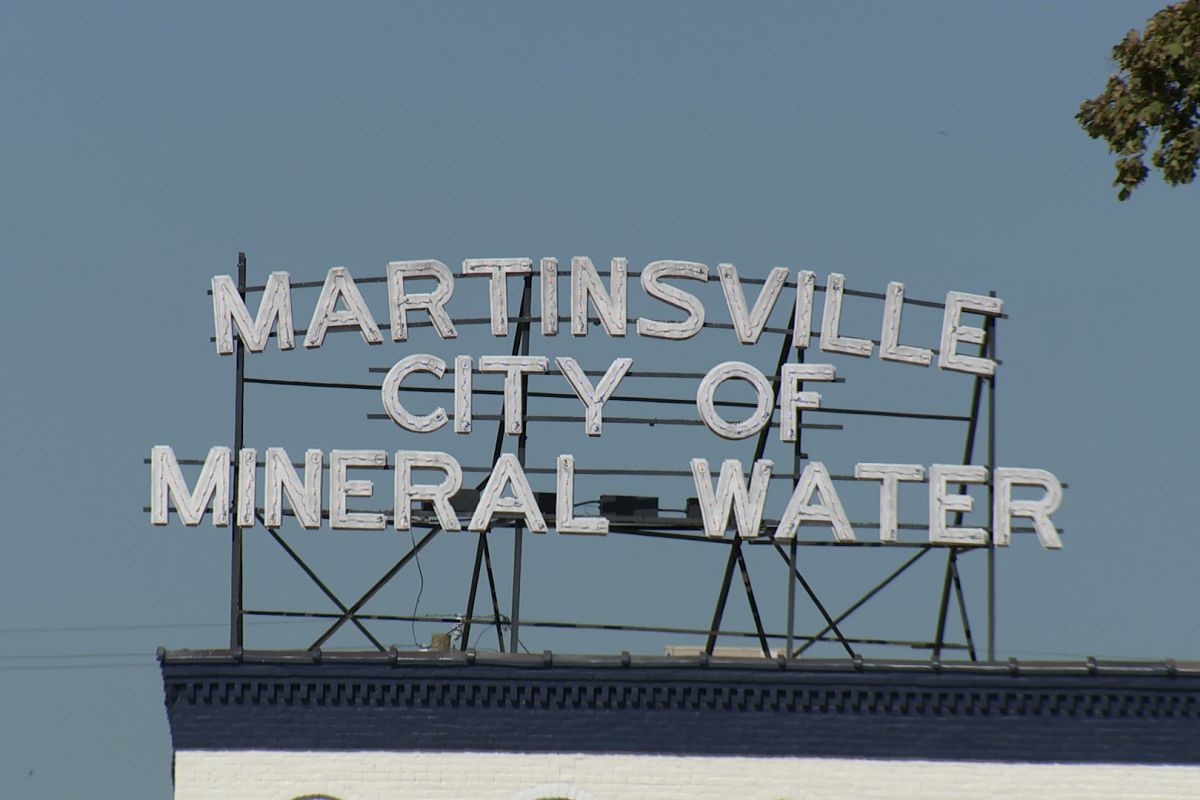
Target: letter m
{"points": [[229, 309], [166, 482]]}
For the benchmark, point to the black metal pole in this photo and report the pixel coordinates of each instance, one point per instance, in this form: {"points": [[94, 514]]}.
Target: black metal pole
{"points": [[990, 335], [943, 605], [719, 612], [816, 602], [519, 530], [962, 612], [491, 579], [952, 554], [470, 615], [482, 551], [236, 631], [735, 548], [791, 581], [758, 626]]}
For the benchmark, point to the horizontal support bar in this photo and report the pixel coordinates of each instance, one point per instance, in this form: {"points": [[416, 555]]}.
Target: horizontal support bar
{"points": [[593, 626], [562, 274], [599, 373], [492, 392], [871, 412], [629, 472], [649, 421], [1079, 667], [670, 528], [468, 322], [471, 321]]}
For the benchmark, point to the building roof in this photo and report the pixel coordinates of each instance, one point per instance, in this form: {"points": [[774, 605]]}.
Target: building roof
{"points": [[1092, 711]]}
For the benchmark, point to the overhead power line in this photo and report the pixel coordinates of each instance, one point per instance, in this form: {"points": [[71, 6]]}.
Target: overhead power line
{"points": [[148, 627]]}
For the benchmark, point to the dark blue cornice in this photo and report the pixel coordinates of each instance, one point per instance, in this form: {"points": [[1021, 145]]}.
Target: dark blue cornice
{"points": [[1046, 712]]}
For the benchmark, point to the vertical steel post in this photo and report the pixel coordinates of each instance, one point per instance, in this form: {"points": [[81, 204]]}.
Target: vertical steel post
{"points": [[962, 612], [791, 584], [735, 547], [466, 630], [990, 336], [491, 579], [483, 553], [947, 584], [952, 555], [519, 529], [236, 638]]}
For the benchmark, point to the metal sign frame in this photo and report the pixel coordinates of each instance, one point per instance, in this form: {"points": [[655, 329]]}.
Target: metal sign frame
{"points": [[983, 393]]}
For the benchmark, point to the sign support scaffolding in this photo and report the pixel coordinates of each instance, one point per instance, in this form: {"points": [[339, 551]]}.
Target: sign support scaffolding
{"points": [[794, 645]]}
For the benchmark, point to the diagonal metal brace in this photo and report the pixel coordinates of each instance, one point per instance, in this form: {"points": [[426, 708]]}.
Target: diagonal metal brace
{"points": [[321, 584], [816, 601], [863, 600], [379, 584]]}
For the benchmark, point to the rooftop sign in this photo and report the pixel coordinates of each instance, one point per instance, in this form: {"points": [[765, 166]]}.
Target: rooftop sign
{"points": [[732, 505]]}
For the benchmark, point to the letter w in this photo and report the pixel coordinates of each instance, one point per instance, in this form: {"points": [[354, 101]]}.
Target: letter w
{"points": [[747, 503]]}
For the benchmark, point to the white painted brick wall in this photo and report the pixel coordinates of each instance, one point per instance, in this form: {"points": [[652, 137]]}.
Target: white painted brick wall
{"points": [[263, 775]]}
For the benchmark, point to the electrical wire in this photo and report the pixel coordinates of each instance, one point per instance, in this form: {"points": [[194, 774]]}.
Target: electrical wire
{"points": [[147, 656], [163, 626], [30, 667], [73, 655], [420, 587]]}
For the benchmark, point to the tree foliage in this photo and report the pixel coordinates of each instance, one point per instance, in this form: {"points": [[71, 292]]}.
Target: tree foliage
{"points": [[1155, 90]]}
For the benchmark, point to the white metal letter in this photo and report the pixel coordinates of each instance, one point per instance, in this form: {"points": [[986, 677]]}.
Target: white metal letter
{"points": [[246, 475], [791, 376], [729, 370], [498, 270], [610, 305], [806, 286], [514, 400], [507, 472], [831, 339], [436, 493], [1038, 510], [340, 286], [281, 477], [565, 520], [955, 332], [166, 483], [749, 325], [462, 394], [417, 423], [941, 503], [401, 302], [229, 309], [747, 503], [890, 348], [800, 508], [340, 488], [652, 284], [593, 399], [890, 476], [549, 276]]}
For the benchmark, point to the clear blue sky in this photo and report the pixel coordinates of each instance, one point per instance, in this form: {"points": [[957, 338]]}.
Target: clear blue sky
{"points": [[933, 143]]}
